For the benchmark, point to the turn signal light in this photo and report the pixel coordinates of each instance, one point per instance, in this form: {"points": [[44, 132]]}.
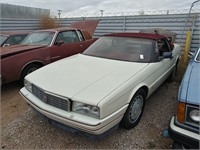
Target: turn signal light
{"points": [[181, 112]]}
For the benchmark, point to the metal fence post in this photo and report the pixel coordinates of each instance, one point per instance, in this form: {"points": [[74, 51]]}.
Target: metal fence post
{"points": [[124, 24]]}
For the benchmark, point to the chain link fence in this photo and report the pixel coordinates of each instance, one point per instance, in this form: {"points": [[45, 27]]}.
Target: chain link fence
{"points": [[103, 13], [171, 20]]}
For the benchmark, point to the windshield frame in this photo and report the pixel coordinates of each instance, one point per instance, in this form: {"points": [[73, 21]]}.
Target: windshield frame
{"points": [[50, 43], [197, 57], [125, 59], [6, 37]]}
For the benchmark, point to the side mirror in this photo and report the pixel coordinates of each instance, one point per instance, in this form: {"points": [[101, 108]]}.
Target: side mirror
{"points": [[165, 55], [4, 45], [59, 42]]}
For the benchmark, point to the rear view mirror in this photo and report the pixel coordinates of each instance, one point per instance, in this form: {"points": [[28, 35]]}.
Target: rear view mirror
{"points": [[169, 39]]}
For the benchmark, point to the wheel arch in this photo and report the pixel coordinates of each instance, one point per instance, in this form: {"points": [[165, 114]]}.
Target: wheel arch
{"points": [[38, 62], [130, 119], [140, 86]]}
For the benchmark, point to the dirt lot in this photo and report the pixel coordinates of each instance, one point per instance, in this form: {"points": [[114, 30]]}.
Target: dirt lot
{"points": [[22, 128]]}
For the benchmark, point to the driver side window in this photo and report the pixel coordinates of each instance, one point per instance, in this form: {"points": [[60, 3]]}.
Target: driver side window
{"points": [[162, 46], [67, 37]]}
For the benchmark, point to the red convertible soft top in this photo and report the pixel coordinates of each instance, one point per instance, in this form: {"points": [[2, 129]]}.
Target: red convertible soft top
{"points": [[138, 35]]}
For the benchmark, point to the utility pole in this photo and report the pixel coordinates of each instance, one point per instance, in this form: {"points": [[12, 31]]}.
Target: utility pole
{"points": [[59, 13], [102, 12]]}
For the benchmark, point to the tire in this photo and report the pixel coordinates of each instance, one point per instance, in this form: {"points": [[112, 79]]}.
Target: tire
{"points": [[177, 145], [134, 111], [27, 70], [173, 74]]}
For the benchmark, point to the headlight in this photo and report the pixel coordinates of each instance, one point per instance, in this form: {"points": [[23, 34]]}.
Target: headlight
{"points": [[194, 115], [86, 109], [28, 85]]}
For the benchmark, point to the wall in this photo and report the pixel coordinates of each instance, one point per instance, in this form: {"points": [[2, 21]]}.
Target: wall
{"points": [[172, 22], [16, 11]]}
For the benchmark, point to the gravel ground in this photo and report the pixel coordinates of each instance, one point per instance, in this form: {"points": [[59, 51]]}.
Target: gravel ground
{"points": [[22, 128]]}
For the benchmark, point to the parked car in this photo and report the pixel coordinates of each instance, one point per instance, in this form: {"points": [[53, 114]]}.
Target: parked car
{"points": [[184, 126], [11, 38], [106, 85], [40, 48]]}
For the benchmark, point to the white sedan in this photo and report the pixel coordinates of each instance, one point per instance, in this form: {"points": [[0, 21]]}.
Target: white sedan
{"points": [[105, 86]]}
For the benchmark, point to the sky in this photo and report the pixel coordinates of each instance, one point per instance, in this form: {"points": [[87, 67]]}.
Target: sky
{"points": [[72, 8]]}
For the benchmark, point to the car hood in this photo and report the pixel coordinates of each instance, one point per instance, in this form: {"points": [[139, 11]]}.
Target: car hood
{"points": [[84, 78], [189, 90], [16, 49]]}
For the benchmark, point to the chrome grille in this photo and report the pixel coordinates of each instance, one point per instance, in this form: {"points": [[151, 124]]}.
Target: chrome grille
{"points": [[51, 99]]}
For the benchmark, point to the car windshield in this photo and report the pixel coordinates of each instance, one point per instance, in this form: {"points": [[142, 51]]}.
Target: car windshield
{"points": [[39, 38], [122, 48], [3, 38]]}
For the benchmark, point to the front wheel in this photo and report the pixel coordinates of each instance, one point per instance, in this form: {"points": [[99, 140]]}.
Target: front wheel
{"points": [[27, 70], [134, 111], [177, 145]]}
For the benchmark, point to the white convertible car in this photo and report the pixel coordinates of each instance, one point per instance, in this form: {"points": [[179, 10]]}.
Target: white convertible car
{"points": [[105, 86]]}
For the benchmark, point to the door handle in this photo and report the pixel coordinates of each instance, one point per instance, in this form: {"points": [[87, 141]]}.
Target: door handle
{"points": [[81, 45]]}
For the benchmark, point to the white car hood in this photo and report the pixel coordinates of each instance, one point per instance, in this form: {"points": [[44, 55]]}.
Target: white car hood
{"points": [[84, 78]]}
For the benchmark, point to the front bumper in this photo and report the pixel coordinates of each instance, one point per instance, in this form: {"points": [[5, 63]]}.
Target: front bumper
{"points": [[183, 136], [78, 121]]}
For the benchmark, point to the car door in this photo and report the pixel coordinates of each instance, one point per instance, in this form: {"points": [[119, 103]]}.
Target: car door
{"points": [[160, 68], [67, 43]]}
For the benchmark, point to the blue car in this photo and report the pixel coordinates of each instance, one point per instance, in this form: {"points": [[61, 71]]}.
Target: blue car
{"points": [[184, 126]]}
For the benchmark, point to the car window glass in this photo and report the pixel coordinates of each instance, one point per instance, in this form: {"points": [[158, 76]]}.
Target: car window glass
{"points": [[15, 39], [162, 46], [3, 38], [122, 48], [198, 57], [39, 38], [67, 37], [80, 35]]}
